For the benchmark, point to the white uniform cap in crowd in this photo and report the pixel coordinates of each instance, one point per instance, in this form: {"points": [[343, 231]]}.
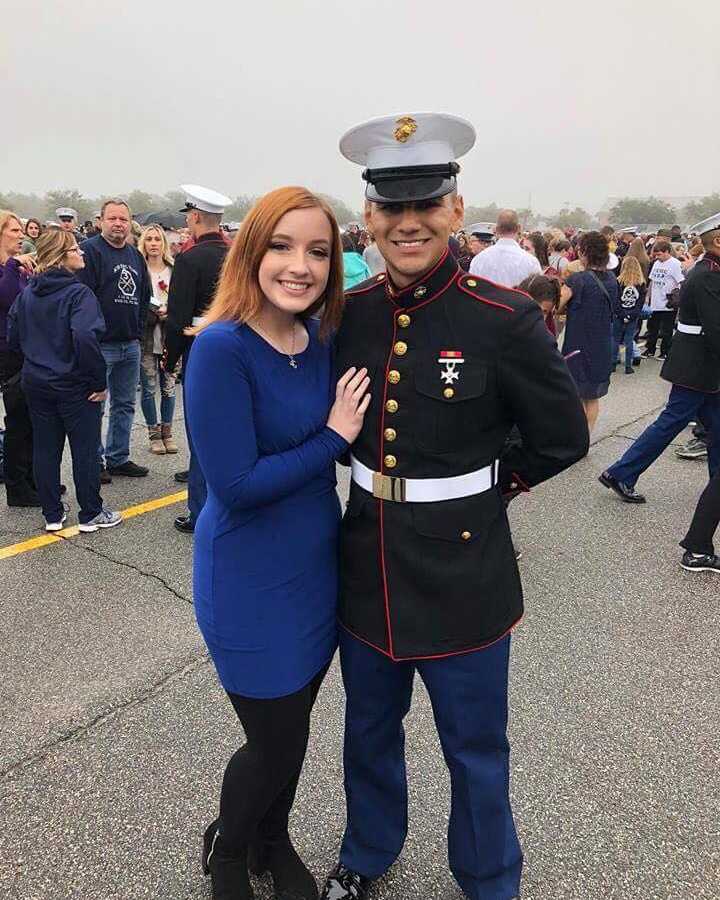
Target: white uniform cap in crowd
{"points": [[709, 224], [204, 199], [409, 157], [65, 212]]}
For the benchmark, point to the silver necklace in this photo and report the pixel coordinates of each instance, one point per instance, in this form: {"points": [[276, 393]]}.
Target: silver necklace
{"points": [[291, 356]]}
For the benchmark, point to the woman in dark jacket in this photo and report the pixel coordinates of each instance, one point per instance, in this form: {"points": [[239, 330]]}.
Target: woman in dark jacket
{"points": [[14, 271], [589, 323], [56, 322]]}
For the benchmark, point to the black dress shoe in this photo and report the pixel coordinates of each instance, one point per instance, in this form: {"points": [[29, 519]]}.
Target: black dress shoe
{"points": [[129, 469], [292, 879], [344, 884], [624, 491], [105, 476], [184, 524], [182, 477]]}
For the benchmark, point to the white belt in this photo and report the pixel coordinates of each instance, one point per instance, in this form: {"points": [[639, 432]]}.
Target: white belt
{"points": [[689, 329], [423, 490], [198, 320]]}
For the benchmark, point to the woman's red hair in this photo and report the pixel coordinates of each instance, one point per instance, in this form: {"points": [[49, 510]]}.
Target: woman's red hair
{"points": [[238, 297]]}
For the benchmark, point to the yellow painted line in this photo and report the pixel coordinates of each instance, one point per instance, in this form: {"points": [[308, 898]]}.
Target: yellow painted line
{"points": [[56, 537]]}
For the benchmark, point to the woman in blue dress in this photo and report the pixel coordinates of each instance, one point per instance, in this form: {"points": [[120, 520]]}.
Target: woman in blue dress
{"points": [[589, 323], [268, 423]]}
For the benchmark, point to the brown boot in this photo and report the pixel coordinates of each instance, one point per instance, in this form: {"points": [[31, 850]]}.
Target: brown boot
{"points": [[167, 439], [156, 441]]}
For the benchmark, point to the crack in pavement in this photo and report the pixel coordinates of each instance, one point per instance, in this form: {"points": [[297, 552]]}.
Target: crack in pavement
{"points": [[72, 542], [45, 750], [616, 431]]}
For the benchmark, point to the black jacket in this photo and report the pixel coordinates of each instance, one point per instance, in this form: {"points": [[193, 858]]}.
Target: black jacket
{"points": [[194, 279], [694, 359], [439, 578]]}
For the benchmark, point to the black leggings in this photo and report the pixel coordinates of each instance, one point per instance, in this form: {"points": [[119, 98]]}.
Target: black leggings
{"points": [[261, 778], [699, 538]]}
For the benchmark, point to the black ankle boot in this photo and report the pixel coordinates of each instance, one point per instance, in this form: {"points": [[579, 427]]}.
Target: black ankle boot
{"points": [[292, 879], [229, 874]]}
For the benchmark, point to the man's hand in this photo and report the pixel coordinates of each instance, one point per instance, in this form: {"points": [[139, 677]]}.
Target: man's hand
{"points": [[98, 397]]}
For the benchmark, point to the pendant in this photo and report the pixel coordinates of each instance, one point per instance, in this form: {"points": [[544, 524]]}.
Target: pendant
{"points": [[293, 364]]}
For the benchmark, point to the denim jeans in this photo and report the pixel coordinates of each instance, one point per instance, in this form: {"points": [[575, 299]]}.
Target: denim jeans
{"points": [[123, 371], [683, 406], [55, 417], [150, 373], [624, 333]]}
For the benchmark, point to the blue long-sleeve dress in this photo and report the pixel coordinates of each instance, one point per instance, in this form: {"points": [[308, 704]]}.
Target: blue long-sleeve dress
{"points": [[265, 549]]}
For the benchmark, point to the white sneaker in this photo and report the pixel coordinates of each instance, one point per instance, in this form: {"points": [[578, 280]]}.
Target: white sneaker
{"points": [[56, 526], [106, 518]]}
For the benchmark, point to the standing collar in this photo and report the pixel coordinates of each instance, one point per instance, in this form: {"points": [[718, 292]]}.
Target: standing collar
{"points": [[427, 286], [210, 236]]}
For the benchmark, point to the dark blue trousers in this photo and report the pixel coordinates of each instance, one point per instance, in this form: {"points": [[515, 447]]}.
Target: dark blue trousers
{"points": [[54, 417], [469, 700], [683, 406], [197, 487]]}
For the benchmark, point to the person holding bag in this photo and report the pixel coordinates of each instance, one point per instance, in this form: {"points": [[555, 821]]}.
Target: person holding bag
{"points": [[589, 323]]}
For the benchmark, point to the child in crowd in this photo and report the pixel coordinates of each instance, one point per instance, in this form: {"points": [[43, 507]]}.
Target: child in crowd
{"points": [[628, 310], [545, 291]]}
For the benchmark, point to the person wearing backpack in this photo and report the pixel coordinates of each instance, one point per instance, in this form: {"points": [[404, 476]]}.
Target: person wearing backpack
{"points": [[627, 311]]}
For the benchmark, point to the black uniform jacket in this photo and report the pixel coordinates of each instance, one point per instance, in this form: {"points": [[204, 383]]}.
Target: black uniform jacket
{"points": [[694, 359], [194, 279], [422, 580]]}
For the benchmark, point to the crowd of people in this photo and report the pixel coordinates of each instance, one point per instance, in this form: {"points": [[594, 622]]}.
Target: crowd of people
{"points": [[300, 346]]}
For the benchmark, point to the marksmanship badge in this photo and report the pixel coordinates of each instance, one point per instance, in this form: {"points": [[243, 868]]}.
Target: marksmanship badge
{"points": [[450, 360], [406, 128]]}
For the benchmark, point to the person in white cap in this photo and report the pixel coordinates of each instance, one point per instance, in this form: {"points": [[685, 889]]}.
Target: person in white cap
{"points": [[68, 221], [693, 369], [428, 577], [195, 276]]}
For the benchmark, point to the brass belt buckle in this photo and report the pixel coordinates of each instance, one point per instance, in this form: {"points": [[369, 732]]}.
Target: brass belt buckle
{"points": [[388, 487]]}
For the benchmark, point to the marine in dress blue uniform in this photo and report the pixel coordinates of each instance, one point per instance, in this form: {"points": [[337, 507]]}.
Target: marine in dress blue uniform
{"points": [[428, 577], [195, 276], [693, 369]]}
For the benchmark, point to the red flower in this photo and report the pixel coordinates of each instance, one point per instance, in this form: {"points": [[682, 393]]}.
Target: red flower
{"points": [[163, 286]]}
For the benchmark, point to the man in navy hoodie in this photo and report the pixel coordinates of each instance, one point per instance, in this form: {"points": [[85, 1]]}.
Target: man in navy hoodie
{"points": [[116, 273]]}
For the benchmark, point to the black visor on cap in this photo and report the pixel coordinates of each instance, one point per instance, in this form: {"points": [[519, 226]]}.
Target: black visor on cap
{"points": [[189, 207], [410, 183]]}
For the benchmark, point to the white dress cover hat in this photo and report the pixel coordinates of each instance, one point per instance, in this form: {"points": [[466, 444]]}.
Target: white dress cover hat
{"points": [[409, 157]]}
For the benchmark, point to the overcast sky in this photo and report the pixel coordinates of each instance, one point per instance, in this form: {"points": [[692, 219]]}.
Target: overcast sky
{"points": [[571, 102]]}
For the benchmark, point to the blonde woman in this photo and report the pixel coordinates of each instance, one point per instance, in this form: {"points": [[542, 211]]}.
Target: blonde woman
{"points": [[155, 249], [628, 310], [56, 323]]}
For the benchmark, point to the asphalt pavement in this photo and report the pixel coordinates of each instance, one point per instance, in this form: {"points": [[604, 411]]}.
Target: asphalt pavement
{"points": [[115, 732]]}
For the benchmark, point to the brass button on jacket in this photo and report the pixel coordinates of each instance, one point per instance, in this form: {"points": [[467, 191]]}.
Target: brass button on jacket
{"points": [[393, 376], [390, 434], [390, 462], [400, 348], [392, 406], [448, 393], [404, 320], [466, 535]]}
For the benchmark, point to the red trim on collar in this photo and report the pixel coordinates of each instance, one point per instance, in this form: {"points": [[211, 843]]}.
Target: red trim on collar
{"points": [[418, 282]]}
